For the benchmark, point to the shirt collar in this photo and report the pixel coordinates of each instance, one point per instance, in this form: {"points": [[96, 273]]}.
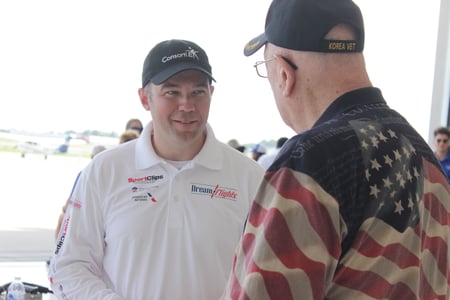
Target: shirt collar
{"points": [[146, 157], [347, 101]]}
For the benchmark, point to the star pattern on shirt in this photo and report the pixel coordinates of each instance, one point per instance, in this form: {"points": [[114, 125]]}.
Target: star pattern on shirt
{"points": [[392, 172]]}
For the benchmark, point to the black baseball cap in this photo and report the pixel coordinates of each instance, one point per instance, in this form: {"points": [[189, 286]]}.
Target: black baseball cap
{"points": [[171, 57], [302, 25]]}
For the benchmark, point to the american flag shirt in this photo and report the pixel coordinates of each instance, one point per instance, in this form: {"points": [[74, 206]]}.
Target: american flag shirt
{"points": [[355, 208]]}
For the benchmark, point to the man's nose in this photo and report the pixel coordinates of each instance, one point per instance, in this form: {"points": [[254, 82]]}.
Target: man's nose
{"points": [[186, 103]]}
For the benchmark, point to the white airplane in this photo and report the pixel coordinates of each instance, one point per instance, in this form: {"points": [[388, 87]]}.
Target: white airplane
{"points": [[29, 146]]}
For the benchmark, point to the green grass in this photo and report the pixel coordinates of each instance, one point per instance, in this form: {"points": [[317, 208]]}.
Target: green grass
{"points": [[9, 145]]}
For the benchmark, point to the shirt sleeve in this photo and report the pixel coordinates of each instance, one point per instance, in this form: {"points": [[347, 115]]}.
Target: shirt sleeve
{"points": [[291, 244], [76, 266]]}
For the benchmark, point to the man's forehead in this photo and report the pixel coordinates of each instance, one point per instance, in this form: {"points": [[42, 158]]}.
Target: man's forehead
{"points": [[188, 76]]}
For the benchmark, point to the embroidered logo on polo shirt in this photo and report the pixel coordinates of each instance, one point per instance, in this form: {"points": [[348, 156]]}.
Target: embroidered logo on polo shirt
{"points": [[146, 179], [214, 191], [62, 235], [75, 203], [145, 196]]}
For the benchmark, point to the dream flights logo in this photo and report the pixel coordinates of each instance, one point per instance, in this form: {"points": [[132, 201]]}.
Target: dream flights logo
{"points": [[214, 191]]}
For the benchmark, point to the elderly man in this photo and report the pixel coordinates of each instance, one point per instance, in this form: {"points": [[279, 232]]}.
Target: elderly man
{"points": [[355, 206]]}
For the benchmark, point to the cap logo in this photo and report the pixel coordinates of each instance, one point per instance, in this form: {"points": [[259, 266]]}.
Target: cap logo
{"points": [[190, 53], [251, 46], [342, 46]]}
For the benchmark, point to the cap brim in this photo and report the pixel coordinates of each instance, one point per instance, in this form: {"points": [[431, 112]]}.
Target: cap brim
{"points": [[171, 71], [255, 44]]}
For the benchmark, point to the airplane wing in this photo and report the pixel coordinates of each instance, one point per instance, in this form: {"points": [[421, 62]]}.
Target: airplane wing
{"points": [[30, 146]]}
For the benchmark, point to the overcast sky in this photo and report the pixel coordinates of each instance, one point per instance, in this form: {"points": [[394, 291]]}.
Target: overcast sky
{"points": [[76, 65]]}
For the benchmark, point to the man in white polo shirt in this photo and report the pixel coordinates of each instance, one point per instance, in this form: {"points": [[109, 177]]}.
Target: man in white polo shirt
{"points": [[159, 217]]}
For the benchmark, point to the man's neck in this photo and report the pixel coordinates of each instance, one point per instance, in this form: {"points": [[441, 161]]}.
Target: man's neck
{"points": [[180, 150], [441, 154]]}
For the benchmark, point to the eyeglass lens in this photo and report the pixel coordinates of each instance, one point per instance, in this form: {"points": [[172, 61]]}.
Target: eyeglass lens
{"points": [[262, 70]]}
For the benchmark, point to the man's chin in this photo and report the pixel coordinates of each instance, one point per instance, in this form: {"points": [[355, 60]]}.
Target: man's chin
{"points": [[190, 132]]}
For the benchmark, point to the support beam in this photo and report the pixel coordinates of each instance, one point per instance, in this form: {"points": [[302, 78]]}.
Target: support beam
{"points": [[440, 104]]}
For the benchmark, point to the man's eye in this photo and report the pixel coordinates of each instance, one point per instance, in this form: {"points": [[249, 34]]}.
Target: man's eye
{"points": [[199, 93]]}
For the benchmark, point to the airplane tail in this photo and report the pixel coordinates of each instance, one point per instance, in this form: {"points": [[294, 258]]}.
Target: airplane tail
{"points": [[64, 147]]}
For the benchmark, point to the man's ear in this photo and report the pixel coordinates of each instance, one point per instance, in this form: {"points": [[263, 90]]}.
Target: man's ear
{"points": [[144, 98], [287, 75]]}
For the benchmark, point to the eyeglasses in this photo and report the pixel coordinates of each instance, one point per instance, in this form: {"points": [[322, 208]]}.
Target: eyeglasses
{"points": [[443, 141], [261, 68]]}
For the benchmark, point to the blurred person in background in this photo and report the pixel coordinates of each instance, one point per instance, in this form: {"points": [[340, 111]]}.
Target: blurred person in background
{"points": [[128, 135], [441, 147], [266, 160], [235, 144], [134, 124], [257, 151]]}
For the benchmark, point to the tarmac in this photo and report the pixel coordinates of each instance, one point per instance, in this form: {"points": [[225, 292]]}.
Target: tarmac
{"points": [[32, 193]]}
